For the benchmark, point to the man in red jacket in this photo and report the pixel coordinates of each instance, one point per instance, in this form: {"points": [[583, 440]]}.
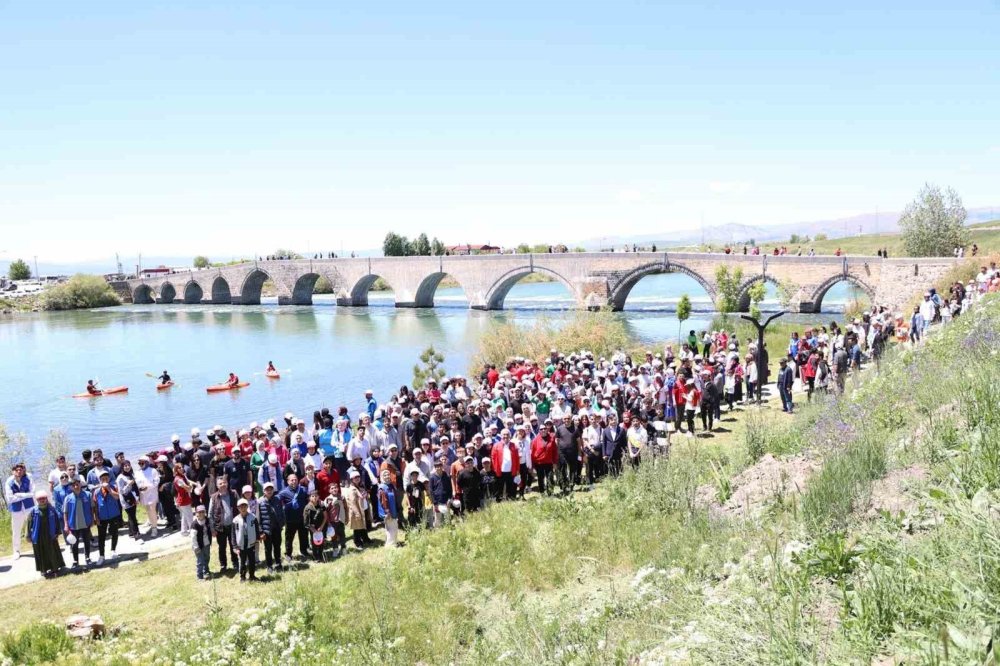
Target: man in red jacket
{"points": [[506, 465], [544, 454]]}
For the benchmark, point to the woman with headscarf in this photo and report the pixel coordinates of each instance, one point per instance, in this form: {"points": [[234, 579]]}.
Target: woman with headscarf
{"points": [[128, 495], [44, 530]]}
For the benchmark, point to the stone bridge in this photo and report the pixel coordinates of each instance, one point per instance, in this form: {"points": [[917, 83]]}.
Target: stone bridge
{"points": [[594, 279]]}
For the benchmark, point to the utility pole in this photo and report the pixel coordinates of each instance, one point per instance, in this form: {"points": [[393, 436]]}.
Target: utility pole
{"points": [[37, 276], [876, 219]]}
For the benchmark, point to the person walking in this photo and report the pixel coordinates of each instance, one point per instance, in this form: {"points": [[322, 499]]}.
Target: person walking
{"points": [[786, 377]]}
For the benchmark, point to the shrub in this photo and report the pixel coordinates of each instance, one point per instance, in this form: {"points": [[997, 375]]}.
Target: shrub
{"points": [[80, 292], [35, 644]]}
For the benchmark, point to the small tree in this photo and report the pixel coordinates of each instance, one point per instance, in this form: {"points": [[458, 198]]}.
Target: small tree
{"points": [[786, 290], [728, 284], [202, 261], [933, 224], [437, 247], [795, 239], [396, 245], [431, 366], [683, 313], [523, 248], [821, 237], [19, 270], [56, 444], [757, 292], [422, 246], [13, 449]]}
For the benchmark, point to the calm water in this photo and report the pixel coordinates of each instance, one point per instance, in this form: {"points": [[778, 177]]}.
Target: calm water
{"points": [[328, 356]]}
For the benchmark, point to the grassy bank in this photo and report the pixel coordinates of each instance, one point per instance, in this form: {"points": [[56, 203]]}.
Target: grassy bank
{"points": [[858, 531]]}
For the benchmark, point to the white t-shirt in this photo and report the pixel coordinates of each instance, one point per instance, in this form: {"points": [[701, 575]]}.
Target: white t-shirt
{"points": [[506, 465]]}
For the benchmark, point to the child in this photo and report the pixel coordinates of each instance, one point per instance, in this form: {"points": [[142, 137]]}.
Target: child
{"points": [[314, 518], [336, 510], [201, 542], [415, 498], [245, 530]]}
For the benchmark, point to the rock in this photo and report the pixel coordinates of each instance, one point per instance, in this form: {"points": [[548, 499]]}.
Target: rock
{"points": [[83, 626]]}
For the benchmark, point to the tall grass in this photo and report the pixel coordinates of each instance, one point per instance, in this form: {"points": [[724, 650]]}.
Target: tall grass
{"points": [[602, 333]]}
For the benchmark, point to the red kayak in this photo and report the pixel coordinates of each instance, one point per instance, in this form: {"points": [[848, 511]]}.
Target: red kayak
{"points": [[226, 387], [272, 374], [109, 391], [161, 387]]}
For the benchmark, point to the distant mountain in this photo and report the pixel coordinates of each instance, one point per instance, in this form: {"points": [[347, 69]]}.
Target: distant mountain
{"points": [[867, 223]]}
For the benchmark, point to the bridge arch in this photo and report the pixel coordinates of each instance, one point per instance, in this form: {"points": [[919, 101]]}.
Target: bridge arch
{"points": [[252, 285], [619, 294], [424, 297], [498, 291], [743, 300], [302, 291], [193, 293], [143, 295], [820, 293], [221, 293], [167, 293], [359, 292]]}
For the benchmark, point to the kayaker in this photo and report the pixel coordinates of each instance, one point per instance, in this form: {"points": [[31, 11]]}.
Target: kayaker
{"points": [[270, 367], [92, 387], [164, 378], [233, 380]]}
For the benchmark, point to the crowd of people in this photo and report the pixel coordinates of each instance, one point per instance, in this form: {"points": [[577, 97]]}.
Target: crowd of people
{"points": [[421, 458]]}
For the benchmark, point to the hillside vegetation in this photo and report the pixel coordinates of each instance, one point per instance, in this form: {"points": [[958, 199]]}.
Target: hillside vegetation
{"points": [[862, 530]]}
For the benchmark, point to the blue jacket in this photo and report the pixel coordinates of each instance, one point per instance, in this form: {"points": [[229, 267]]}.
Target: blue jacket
{"points": [[23, 488], [372, 406], [108, 506], [391, 500], [82, 502], [293, 501], [325, 437], [53, 526]]}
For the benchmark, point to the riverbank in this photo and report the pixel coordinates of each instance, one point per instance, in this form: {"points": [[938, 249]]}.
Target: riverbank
{"points": [[767, 543]]}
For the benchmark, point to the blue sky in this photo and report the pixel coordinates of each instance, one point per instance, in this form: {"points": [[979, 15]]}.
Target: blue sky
{"points": [[226, 128]]}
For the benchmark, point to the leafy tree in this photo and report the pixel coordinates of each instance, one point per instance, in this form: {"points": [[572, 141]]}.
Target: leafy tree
{"points": [[19, 270], [287, 254], [523, 248], [757, 292], [395, 245], [786, 291], [933, 224], [821, 237], [795, 239], [437, 247], [13, 449], [728, 285], [202, 261], [56, 444], [422, 246], [540, 248], [683, 312], [431, 366], [80, 291]]}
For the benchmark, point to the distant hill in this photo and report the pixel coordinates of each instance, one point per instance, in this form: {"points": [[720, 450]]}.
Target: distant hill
{"points": [[866, 223]]}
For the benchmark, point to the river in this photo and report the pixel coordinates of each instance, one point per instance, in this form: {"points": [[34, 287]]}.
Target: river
{"points": [[328, 356]]}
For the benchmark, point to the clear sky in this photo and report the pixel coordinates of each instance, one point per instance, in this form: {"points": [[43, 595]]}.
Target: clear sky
{"points": [[181, 128]]}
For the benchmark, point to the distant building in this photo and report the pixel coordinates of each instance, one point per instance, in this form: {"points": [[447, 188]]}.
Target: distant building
{"points": [[156, 272], [472, 249]]}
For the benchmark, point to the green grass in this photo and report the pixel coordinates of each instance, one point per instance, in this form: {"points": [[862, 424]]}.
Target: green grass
{"points": [[640, 570], [985, 234]]}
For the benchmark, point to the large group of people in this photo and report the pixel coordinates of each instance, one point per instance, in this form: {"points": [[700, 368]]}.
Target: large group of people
{"points": [[299, 486]]}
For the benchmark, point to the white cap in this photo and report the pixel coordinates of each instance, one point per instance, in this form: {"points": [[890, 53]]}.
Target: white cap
{"points": [[268, 485], [175, 438], [273, 459], [195, 432], [243, 502], [40, 493], [186, 446], [289, 416], [353, 473], [161, 459], [299, 422], [246, 489], [253, 425]]}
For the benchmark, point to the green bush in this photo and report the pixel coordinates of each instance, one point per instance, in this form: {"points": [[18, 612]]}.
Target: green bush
{"points": [[80, 292], [35, 644]]}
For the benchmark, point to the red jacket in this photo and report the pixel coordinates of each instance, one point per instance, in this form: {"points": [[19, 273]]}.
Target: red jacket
{"points": [[496, 455], [544, 450]]}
